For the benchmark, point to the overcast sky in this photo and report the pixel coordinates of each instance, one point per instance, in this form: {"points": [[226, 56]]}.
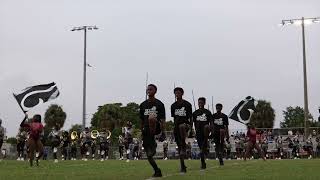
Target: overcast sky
{"points": [[226, 49]]}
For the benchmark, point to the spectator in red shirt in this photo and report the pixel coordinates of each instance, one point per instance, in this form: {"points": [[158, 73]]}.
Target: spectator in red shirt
{"points": [[252, 142], [35, 129]]}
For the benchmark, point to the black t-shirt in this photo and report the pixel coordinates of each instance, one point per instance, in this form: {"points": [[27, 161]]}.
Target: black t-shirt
{"points": [[150, 107], [181, 112], [220, 121], [201, 117]]}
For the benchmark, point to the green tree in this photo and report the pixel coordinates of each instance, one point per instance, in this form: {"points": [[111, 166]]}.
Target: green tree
{"points": [[76, 127], [264, 115], [55, 116], [112, 116], [294, 117], [12, 140]]}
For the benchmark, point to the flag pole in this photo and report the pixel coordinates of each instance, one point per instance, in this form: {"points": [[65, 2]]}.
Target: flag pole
{"points": [[147, 78], [194, 103]]}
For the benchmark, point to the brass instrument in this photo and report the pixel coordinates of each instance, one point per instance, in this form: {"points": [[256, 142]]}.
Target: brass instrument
{"points": [[109, 134], [94, 134], [74, 135]]}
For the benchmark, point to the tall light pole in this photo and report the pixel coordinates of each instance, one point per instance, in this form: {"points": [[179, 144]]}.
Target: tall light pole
{"points": [[84, 28], [302, 22]]}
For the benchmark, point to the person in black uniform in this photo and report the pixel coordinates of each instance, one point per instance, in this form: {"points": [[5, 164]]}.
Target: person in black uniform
{"points": [[220, 131], [152, 116], [181, 111], [203, 123], [65, 141]]}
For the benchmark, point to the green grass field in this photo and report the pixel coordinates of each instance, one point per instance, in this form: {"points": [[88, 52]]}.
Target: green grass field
{"points": [[139, 170]]}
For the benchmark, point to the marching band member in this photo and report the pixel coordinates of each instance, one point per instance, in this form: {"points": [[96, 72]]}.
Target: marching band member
{"points": [[73, 144], [65, 141], [55, 141], [165, 150], [135, 151], [1, 137], [21, 140], [121, 147], [279, 148], [86, 140], [93, 147], [104, 144], [181, 111], [128, 139], [264, 146]]}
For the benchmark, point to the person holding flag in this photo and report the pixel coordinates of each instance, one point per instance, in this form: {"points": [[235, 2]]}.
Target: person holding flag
{"points": [[252, 142], [35, 129]]}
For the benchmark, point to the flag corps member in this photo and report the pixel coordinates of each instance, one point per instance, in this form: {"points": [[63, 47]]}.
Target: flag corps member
{"points": [[27, 99], [35, 145]]}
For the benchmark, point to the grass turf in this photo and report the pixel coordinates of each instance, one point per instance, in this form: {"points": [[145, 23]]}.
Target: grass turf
{"points": [[137, 170]]}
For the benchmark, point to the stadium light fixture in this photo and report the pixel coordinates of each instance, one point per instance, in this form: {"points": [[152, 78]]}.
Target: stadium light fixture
{"points": [[84, 28], [302, 22]]}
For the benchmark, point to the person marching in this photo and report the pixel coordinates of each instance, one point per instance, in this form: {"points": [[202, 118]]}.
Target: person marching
{"points": [[279, 147], [152, 116], [128, 139], [104, 144], [220, 131], [1, 137], [165, 150], [252, 142], [121, 147], [181, 111], [21, 141], [65, 141], [73, 144], [203, 124], [55, 141], [35, 129], [86, 140]]}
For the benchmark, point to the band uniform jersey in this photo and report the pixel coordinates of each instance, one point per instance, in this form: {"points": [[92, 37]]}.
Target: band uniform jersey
{"points": [[103, 137], [155, 107], [128, 132], [85, 137], [220, 121], [201, 117], [181, 112], [54, 136], [22, 136]]}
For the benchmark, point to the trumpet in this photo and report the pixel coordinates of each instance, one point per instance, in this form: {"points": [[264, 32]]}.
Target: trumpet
{"points": [[74, 135], [94, 134]]}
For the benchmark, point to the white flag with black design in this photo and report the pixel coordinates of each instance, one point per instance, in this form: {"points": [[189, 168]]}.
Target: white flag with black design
{"points": [[32, 96], [244, 110]]}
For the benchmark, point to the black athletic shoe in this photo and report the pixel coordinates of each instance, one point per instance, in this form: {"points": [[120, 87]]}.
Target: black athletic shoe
{"points": [[221, 162], [183, 170], [157, 173], [203, 166]]}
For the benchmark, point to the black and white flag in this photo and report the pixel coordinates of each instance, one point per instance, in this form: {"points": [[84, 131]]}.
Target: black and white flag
{"points": [[32, 96], [244, 110]]}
